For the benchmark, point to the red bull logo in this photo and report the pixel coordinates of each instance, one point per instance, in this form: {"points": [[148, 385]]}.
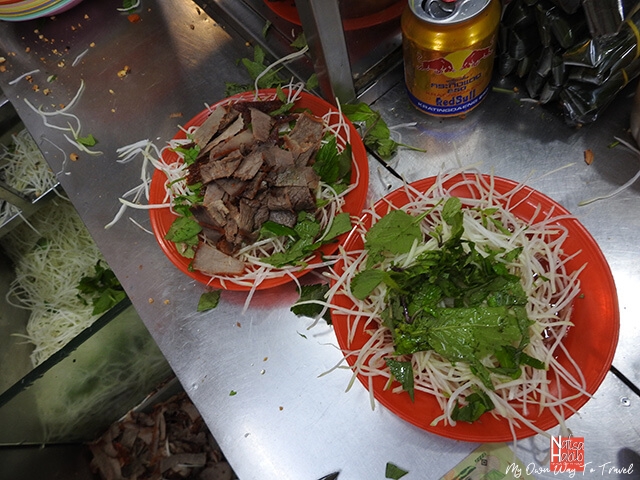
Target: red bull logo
{"points": [[474, 58], [456, 63], [437, 65]]}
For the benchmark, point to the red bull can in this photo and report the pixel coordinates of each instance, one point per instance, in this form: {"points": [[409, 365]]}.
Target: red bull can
{"points": [[449, 47]]}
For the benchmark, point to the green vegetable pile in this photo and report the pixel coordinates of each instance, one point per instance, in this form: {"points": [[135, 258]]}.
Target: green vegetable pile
{"points": [[455, 300]]}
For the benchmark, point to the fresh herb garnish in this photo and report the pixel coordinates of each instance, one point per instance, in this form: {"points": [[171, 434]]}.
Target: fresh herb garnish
{"points": [[303, 235], [312, 293], [88, 141], [208, 300], [254, 68], [103, 289], [394, 472], [184, 233], [403, 373], [454, 300], [373, 129]]}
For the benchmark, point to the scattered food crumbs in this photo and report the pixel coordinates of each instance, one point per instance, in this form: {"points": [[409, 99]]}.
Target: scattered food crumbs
{"points": [[2, 60], [232, 393], [73, 157], [46, 91], [588, 157], [51, 78], [35, 88], [150, 300], [28, 78], [61, 63], [247, 44], [166, 302], [124, 72], [92, 44], [238, 324], [86, 16], [280, 408], [176, 115], [265, 359], [113, 110], [263, 371], [28, 49], [134, 18], [516, 89], [112, 92], [3, 68]]}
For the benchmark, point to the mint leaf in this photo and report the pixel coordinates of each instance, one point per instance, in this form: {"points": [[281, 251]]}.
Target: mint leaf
{"points": [[208, 301], [312, 310], [403, 373], [88, 141], [393, 233], [477, 404], [394, 472], [183, 229], [341, 224]]}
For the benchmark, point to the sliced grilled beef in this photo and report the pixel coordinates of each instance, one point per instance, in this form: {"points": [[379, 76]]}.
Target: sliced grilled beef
{"points": [[209, 127], [305, 136], [261, 124], [249, 166], [277, 158], [301, 198], [211, 261], [283, 217], [243, 141], [218, 168], [297, 177]]}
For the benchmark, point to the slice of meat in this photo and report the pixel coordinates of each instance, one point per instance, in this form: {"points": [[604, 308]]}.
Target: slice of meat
{"points": [[305, 136], [277, 158], [210, 217], [278, 199], [283, 217], [232, 186], [256, 185], [261, 124], [249, 166], [297, 177], [220, 167], [245, 219], [209, 127], [211, 261], [234, 128], [242, 141], [301, 198]]}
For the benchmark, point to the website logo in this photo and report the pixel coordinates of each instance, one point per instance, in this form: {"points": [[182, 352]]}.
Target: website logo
{"points": [[567, 454]]}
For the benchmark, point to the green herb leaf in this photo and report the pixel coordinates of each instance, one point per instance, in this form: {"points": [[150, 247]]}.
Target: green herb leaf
{"points": [[364, 282], [477, 404], [403, 373], [394, 472], [315, 292], [341, 224], [393, 233], [273, 229], [88, 141], [103, 289], [208, 301], [183, 229], [190, 154]]}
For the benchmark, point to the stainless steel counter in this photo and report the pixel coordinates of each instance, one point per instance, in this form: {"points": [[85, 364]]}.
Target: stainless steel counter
{"points": [[285, 421]]}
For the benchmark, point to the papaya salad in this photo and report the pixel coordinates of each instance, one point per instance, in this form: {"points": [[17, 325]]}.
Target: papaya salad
{"points": [[443, 290], [258, 188]]}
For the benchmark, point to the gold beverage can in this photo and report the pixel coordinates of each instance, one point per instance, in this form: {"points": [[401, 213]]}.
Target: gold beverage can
{"points": [[449, 48]]}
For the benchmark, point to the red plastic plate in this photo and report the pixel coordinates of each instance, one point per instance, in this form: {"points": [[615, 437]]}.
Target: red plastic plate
{"points": [[161, 219], [591, 342]]}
